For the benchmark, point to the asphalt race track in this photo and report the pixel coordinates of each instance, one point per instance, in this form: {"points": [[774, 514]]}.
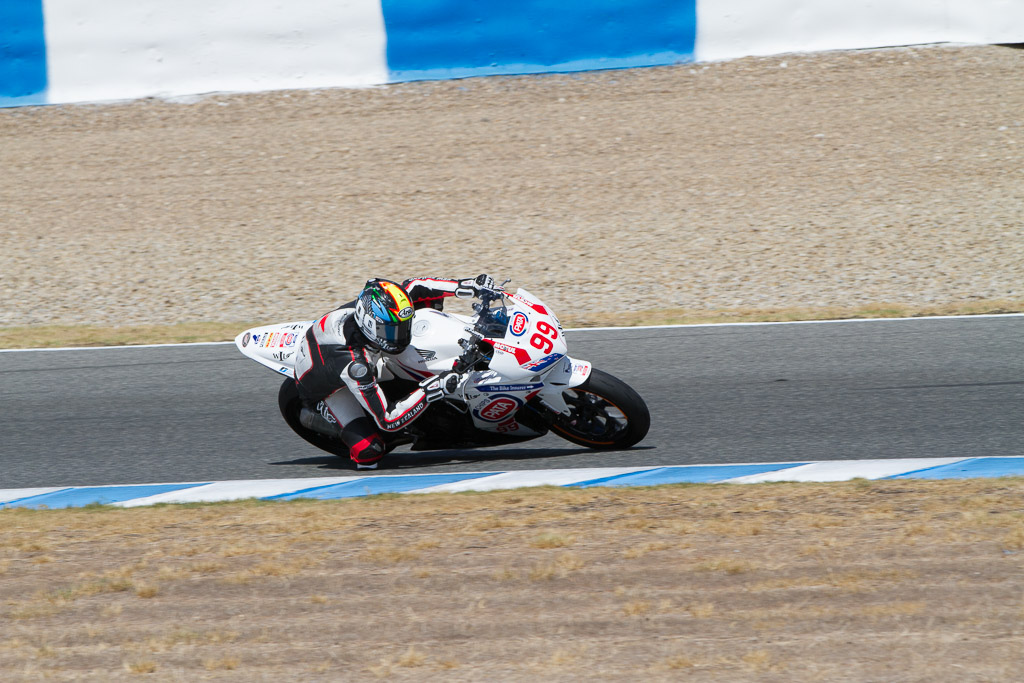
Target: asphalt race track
{"points": [[736, 393]]}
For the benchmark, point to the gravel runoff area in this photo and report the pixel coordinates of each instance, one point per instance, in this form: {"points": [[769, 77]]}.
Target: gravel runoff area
{"points": [[833, 179]]}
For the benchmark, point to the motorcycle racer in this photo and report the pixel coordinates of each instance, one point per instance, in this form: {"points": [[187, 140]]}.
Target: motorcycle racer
{"points": [[336, 363]]}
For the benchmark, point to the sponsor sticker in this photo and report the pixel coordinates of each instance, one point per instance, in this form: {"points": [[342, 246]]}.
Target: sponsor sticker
{"points": [[522, 355], [509, 425], [580, 368], [526, 302], [498, 408], [518, 324], [491, 388], [545, 362], [245, 339]]}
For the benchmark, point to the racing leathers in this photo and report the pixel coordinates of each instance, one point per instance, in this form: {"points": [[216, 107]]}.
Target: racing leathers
{"points": [[336, 371]]}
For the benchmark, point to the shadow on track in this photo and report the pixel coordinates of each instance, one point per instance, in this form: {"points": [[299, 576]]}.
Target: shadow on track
{"points": [[410, 460]]}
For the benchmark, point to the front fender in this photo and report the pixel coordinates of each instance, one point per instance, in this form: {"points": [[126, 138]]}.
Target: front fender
{"points": [[572, 373], [569, 373]]}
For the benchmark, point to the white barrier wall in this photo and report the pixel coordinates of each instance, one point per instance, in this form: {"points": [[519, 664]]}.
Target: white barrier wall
{"points": [[122, 49], [727, 29], [55, 51]]}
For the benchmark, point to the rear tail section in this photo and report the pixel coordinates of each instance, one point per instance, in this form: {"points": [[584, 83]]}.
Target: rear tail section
{"points": [[273, 345]]}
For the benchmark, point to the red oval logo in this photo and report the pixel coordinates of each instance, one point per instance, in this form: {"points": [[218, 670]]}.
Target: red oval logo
{"points": [[498, 409], [519, 323]]}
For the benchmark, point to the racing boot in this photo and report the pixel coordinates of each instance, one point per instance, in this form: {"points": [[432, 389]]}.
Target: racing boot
{"points": [[366, 448]]}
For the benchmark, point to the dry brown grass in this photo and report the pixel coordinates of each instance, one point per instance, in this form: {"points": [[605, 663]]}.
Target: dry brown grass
{"points": [[636, 608], [389, 554], [702, 610], [550, 539], [676, 662], [53, 336], [145, 666], [729, 565], [644, 548], [147, 590], [682, 316], [222, 663], [1014, 539], [838, 582], [557, 568]]}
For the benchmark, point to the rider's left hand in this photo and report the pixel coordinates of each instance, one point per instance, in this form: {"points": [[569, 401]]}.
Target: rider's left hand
{"points": [[471, 287]]}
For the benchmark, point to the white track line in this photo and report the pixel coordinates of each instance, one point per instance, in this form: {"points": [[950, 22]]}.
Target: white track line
{"points": [[844, 470], [800, 322], [582, 329]]}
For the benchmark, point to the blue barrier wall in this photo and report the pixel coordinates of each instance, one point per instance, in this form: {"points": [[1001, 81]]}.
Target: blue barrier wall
{"points": [[22, 52], [96, 50], [436, 39]]}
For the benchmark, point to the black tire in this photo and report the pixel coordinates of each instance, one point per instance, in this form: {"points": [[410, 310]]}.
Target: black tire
{"points": [[290, 404], [606, 414]]}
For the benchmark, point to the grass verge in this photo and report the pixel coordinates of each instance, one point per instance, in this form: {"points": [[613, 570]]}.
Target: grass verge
{"points": [[55, 336], [682, 316], [852, 581]]}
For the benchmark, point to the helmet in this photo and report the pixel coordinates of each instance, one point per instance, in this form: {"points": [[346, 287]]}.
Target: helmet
{"points": [[384, 315]]}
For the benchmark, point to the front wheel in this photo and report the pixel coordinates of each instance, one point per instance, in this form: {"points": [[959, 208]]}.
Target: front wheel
{"points": [[604, 413]]}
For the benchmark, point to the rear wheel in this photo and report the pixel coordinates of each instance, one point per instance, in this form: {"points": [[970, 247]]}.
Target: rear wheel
{"points": [[290, 404], [604, 413]]}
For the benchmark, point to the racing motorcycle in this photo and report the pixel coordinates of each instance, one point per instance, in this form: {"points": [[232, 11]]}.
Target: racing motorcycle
{"points": [[520, 381]]}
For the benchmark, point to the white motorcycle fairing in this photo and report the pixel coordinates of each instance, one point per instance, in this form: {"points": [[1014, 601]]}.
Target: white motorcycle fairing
{"points": [[528, 358], [273, 345]]}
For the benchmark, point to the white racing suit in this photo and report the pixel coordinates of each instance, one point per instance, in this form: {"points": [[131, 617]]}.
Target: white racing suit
{"points": [[336, 371]]}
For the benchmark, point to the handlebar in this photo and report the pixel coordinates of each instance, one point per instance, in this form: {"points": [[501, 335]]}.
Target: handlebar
{"points": [[489, 294], [471, 352]]}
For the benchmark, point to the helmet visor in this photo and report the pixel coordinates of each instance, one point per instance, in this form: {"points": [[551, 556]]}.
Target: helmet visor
{"points": [[392, 336]]}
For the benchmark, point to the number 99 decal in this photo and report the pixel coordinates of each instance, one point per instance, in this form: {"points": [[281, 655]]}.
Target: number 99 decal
{"points": [[543, 337]]}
